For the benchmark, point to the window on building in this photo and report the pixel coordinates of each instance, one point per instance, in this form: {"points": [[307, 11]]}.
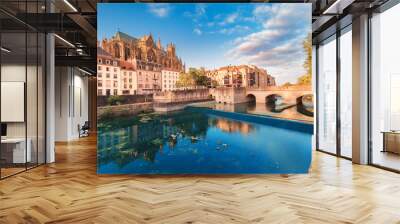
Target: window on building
{"points": [[99, 92], [115, 83], [99, 68], [99, 75], [115, 76], [99, 83], [115, 69], [107, 69], [107, 75]]}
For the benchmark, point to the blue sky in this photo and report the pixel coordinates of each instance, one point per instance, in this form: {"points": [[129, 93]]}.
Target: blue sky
{"points": [[268, 35]]}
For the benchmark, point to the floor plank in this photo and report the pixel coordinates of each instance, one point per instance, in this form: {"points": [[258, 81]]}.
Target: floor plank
{"points": [[69, 191]]}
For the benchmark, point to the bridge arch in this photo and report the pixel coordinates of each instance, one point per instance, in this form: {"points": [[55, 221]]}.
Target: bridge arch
{"points": [[251, 98], [273, 99]]}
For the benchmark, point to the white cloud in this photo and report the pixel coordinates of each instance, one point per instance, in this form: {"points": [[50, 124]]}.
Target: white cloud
{"points": [[210, 24], [197, 31], [198, 13], [235, 29], [231, 18], [200, 9], [160, 9], [278, 46]]}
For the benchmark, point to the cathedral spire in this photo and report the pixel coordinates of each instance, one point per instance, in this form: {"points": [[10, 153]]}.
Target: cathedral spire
{"points": [[159, 43]]}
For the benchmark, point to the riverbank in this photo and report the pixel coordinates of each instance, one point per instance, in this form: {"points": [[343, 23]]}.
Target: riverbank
{"points": [[124, 110]]}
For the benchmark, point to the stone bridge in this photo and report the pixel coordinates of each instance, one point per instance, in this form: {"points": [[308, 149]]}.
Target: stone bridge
{"points": [[289, 96]]}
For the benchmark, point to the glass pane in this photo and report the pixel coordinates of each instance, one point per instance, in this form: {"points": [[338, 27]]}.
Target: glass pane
{"points": [[13, 87], [386, 89], [31, 98], [346, 94], [327, 96]]}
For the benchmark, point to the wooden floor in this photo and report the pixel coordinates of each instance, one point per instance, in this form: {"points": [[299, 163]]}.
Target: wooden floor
{"points": [[69, 191]]}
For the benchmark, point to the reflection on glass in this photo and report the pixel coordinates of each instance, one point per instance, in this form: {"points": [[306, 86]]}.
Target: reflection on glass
{"points": [[31, 97], [327, 96], [23, 86], [346, 94], [13, 86], [386, 88]]}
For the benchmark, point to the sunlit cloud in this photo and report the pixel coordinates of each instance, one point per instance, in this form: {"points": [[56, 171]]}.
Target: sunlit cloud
{"points": [[278, 45]]}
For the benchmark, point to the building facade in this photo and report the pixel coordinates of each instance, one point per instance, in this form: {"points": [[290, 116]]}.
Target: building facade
{"points": [[169, 79], [249, 76], [152, 62], [128, 79], [108, 74]]}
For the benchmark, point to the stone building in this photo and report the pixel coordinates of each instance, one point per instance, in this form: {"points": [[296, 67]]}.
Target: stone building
{"points": [[169, 79], [108, 74], [128, 79], [249, 76], [147, 58]]}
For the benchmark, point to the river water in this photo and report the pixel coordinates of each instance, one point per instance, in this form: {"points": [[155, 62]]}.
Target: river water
{"points": [[260, 109]]}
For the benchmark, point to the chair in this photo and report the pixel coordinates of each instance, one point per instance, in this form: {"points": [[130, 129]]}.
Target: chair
{"points": [[84, 130]]}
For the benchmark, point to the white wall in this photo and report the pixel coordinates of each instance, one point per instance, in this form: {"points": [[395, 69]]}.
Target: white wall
{"points": [[71, 103]]}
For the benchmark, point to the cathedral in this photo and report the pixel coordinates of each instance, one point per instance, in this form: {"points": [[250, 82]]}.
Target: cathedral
{"points": [[143, 53]]}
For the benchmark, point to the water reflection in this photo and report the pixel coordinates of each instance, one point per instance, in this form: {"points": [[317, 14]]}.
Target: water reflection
{"points": [[282, 111], [126, 139], [231, 126]]}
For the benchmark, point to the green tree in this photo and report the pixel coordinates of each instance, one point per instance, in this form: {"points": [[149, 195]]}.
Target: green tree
{"points": [[307, 46], [115, 100], [195, 77], [199, 76], [185, 80]]}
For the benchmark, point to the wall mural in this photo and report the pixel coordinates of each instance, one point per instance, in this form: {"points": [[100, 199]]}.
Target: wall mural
{"points": [[217, 88]]}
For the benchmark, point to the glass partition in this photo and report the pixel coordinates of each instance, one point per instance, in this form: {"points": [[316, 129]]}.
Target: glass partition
{"points": [[385, 89], [13, 94], [22, 87], [346, 92], [327, 95]]}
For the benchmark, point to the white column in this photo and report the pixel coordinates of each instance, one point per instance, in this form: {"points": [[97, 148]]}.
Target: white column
{"points": [[360, 90], [314, 90], [50, 100]]}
